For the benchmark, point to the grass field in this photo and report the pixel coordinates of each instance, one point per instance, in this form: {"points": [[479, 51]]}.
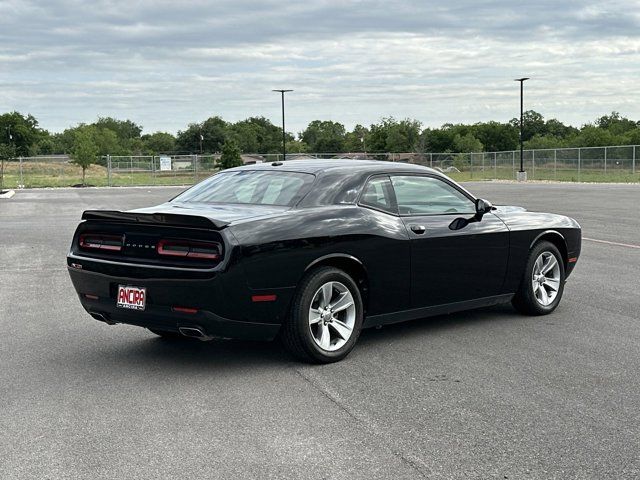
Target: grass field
{"points": [[48, 174], [59, 174]]}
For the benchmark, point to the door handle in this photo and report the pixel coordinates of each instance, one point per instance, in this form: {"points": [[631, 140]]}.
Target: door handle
{"points": [[418, 229]]}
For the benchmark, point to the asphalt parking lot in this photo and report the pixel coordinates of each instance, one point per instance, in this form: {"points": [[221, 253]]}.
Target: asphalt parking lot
{"points": [[481, 394]]}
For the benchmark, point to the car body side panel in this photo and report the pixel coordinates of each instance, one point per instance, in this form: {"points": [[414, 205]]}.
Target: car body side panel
{"points": [[525, 228], [276, 252], [450, 265]]}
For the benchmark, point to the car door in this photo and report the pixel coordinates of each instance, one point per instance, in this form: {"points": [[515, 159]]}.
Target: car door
{"points": [[450, 262]]}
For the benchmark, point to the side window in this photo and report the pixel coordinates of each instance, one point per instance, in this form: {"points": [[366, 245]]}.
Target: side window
{"points": [[378, 194], [418, 195]]}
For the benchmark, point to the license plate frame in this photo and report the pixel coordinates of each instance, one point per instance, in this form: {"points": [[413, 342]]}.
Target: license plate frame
{"points": [[131, 297]]}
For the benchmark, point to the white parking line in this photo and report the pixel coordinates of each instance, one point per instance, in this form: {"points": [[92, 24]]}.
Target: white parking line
{"points": [[628, 245]]}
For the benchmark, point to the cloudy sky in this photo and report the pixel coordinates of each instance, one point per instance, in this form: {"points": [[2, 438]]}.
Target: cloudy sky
{"points": [[165, 64]]}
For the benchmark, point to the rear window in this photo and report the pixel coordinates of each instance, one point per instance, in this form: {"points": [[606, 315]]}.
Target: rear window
{"points": [[253, 187]]}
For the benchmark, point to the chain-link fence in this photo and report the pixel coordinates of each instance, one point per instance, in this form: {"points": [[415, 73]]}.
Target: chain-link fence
{"points": [[159, 170], [592, 164]]}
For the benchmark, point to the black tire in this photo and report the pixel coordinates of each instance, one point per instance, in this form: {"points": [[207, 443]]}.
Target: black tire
{"points": [[296, 333], [167, 335], [525, 300]]}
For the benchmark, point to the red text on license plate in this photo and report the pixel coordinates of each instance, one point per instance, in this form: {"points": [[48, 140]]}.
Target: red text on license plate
{"points": [[133, 298]]}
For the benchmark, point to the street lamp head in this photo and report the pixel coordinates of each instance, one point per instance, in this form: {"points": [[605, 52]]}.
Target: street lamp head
{"points": [[282, 91], [521, 79]]}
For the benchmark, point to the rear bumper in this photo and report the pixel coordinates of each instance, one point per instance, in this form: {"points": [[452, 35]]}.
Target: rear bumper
{"points": [[163, 318], [222, 303]]}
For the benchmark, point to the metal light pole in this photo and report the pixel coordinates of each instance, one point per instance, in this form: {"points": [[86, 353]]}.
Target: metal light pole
{"points": [[284, 135], [522, 175]]}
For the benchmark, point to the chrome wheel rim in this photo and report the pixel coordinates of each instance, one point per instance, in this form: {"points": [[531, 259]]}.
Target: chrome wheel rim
{"points": [[332, 316], [545, 278]]}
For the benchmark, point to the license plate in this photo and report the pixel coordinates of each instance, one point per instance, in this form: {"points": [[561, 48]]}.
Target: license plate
{"points": [[133, 298]]}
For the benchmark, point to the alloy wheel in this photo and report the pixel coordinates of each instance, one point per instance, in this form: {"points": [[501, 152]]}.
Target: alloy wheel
{"points": [[545, 278], [332, 316]]}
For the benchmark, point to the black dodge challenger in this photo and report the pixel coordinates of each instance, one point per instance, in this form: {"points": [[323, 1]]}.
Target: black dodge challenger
{"points": [[313, 251]]}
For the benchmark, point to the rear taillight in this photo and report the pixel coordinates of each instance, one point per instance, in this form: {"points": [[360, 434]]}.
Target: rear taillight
{"points": [[189, 249], [97, 241]]}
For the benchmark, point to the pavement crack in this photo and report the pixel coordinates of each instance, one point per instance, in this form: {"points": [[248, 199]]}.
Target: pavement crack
{"points": [[382, 437]]}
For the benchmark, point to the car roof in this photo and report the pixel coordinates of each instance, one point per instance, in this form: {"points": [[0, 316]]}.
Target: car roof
{"points": [[325, 165]]}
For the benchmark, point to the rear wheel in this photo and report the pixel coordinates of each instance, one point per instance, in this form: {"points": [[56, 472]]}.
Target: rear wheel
{"points": [[326, 317], [543, 281], [167, 335]]}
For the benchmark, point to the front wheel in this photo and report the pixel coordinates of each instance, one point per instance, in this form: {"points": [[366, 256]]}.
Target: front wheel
{"points": [[543, 281], [326, 317]]}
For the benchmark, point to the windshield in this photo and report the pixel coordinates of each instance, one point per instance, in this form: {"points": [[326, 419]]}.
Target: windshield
{"points": [[252, 187]]}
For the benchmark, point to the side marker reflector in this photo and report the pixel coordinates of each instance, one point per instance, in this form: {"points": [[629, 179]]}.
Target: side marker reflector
{"points": [[90, 297], [184, 309], [573, 260], [263, 298]]}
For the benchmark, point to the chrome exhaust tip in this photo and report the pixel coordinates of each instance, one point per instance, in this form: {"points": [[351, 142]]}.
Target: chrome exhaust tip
{"points": [[195, 332], [101, 317]]}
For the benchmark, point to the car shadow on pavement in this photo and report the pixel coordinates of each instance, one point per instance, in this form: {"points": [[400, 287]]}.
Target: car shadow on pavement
{"points": [[190, 354], [215, 354]]}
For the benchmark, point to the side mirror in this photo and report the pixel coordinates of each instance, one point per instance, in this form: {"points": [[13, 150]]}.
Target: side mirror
{"points": [[483, 206]]}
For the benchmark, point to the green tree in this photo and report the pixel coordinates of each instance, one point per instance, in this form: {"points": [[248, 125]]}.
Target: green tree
{"points": [[616, 124], [84, 150], [532, 124], [258, 135], [438, 140], [632, 137], [7, 152], [466, 143], [324, 136], [545, 141], [296, 146], [24, 132], [230, 155], [46, 144], [356, 140], [558, 129], [214, 132], [496, 136], [124, 129], [159, 142], [63, 141], [106, 141], [593, 136], [395, 136]]}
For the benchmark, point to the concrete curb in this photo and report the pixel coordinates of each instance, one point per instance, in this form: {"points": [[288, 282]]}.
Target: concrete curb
{"points": [[7, 194]]}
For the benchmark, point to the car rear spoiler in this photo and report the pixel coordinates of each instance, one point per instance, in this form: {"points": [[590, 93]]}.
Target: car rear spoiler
{"points": [[169, 219]]}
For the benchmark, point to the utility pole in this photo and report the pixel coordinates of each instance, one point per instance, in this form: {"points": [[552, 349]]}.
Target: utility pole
{"points": [[522, 175], [284, 135]]}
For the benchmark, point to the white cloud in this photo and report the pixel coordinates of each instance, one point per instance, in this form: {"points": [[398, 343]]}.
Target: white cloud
{"points": [[165, 64]]}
